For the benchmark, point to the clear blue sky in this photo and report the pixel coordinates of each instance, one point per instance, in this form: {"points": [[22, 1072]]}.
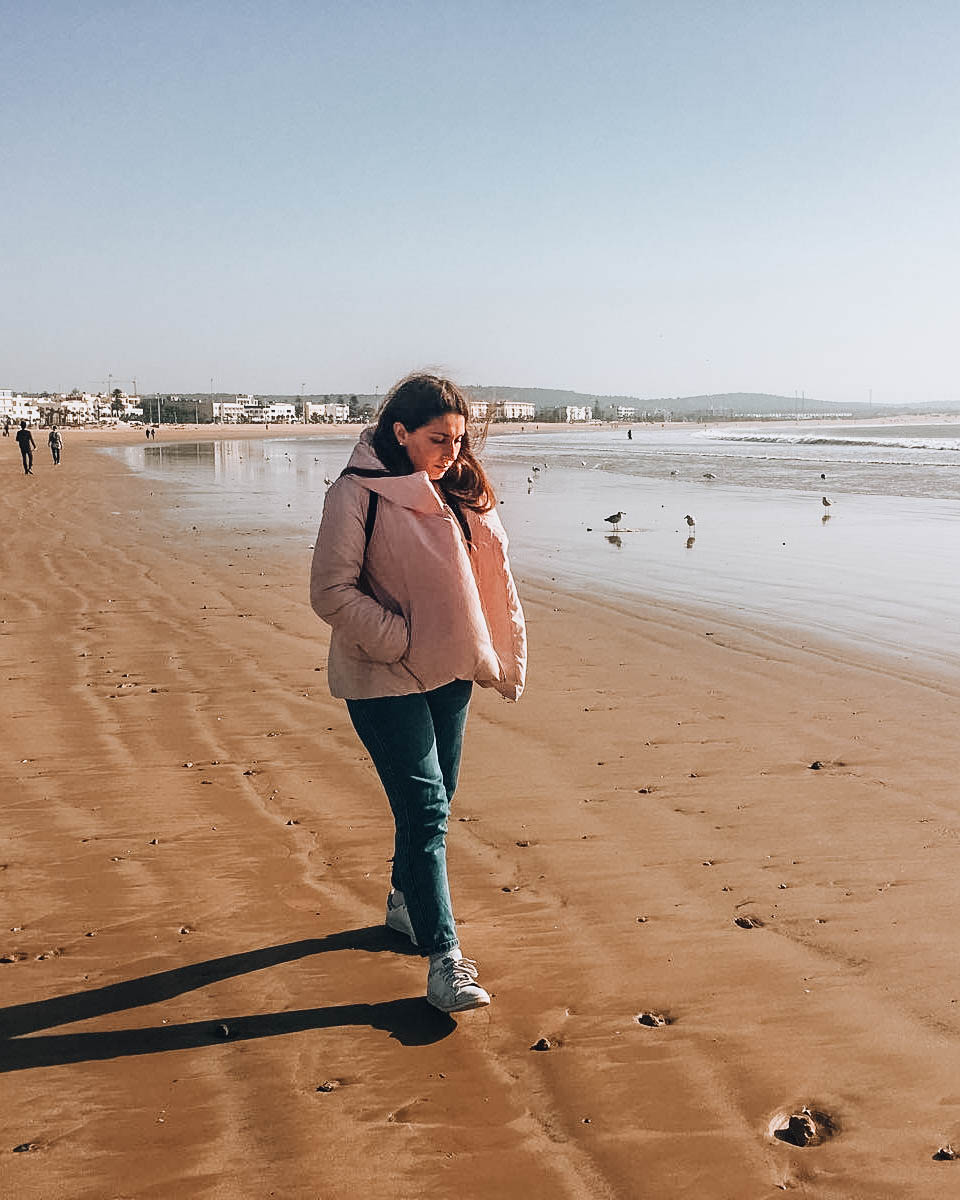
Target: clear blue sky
{"points": [[645, 198]]}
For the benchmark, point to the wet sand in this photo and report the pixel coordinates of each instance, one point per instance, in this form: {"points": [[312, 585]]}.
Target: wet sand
{"points": [[193, 861]]}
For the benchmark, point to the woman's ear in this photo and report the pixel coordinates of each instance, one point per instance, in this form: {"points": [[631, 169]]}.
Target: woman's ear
{"points": [[399, 432]]}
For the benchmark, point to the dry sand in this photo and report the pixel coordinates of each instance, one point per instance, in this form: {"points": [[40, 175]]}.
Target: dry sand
{"points": [[193, 862]]}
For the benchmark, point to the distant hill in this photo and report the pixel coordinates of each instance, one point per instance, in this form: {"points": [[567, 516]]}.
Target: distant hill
{"points": [[725, 404], [721, 406]]}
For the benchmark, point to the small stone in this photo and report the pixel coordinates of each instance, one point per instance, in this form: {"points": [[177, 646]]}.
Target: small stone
{"points": [[541, 1044], [223, 1030], [154, 841], [652, 1020], [945, 1154], [25, 1147], [188, 764], [748, 922], [522, 843], [816, 765], [642, 920], [329, 1085], [185, 929]]}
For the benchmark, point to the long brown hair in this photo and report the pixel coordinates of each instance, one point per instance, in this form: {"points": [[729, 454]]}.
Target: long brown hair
{"points": [[413, 402]]}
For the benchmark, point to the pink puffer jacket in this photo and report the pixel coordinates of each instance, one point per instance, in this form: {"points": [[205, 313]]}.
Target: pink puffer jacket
{"points": [[429, 608]]}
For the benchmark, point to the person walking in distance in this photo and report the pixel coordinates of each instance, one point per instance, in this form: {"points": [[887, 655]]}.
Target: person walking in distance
{"points": [[27, 446], [55, 442], [411, 572]]}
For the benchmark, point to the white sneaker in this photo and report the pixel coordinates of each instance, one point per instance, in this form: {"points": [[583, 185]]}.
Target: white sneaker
{"points": [[398, 919], [452, 986]]}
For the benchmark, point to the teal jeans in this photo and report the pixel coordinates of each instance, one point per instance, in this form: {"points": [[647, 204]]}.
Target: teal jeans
{"points": [[415, 743]]}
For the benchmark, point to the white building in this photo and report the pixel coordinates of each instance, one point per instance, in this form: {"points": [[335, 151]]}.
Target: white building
{"points": [[14, 407], [626, 412], [327, 412], [578, 412], [479, 410], [281, 414], [228, 412], [515, 410]]}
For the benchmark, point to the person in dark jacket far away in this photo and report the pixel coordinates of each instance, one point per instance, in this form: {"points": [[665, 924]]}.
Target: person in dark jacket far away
{"points": [[27, 446]]}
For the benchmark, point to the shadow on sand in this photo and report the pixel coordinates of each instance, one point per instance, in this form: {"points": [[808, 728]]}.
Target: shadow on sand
{"points": [[411, 1021]]}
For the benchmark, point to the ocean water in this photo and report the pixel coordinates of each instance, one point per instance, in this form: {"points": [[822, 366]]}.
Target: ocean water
{"points": [[877, 569]]}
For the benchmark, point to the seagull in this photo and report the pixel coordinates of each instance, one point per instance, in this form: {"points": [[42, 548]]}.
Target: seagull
{"points": [[690, 521], [708, 475], [615, 519], [529, 479], [535, 470], [825, 502]]}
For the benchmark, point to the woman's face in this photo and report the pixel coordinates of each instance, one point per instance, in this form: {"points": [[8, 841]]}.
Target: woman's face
{"points": [[433, 447]]}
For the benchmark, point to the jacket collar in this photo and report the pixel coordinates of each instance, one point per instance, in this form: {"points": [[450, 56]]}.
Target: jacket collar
{"points": [[411, 491]]}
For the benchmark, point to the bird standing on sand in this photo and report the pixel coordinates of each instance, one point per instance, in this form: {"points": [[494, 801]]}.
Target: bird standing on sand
{"points": [[690, 521], [825, 502], [615, 519]]}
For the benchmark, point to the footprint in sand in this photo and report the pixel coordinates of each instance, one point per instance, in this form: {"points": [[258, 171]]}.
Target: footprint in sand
{"points": [[802, 1127], [653, 1020]]}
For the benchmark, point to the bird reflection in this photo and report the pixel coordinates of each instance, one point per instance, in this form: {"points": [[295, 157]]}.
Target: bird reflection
{"points": [[690, 540], [614, 539]]}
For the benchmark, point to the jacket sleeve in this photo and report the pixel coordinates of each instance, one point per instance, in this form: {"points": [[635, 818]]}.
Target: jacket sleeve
{"points": [[335, 595]]}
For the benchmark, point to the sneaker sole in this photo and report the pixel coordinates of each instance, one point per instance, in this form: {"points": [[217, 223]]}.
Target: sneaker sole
{"points": [[465, 1007]]}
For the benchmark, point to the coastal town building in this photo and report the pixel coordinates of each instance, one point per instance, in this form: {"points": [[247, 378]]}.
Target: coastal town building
{"points": [[574, 412], [279, 413], [228, 412], [16, 408], [515, 410], [73, 408], [331, 412]]}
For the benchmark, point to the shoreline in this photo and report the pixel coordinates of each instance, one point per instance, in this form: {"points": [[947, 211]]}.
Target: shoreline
{"points": [[194, 838]]}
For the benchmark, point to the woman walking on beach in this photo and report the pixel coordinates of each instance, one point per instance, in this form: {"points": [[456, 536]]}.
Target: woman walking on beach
{"points": [[411, 572]]}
